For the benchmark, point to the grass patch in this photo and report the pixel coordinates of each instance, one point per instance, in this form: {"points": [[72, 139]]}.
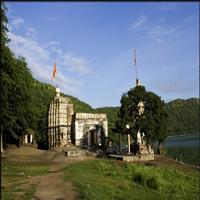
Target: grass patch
{"points": [[28, 194], [9, 169], [115, 180], [14, 177]]}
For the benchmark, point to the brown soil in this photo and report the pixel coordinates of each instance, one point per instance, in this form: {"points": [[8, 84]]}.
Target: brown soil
{"points": [[50, 186], [162, 161]]}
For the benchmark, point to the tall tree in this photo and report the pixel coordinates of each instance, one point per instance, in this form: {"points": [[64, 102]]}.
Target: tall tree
{"points": [[152, 122], [15, 82]]}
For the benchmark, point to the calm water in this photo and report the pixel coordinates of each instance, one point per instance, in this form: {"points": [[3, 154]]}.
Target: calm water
{"points": [[184, 148]]}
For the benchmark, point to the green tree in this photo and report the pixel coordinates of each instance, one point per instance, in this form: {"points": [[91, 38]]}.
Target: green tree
{"points": [[15, 82], [152, 122]]}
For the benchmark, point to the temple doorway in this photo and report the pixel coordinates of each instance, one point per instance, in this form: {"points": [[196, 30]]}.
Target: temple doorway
{"points": [[93, 142]]}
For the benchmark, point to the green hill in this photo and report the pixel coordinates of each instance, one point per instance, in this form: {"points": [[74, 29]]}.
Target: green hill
{"points": [[183, 116]]}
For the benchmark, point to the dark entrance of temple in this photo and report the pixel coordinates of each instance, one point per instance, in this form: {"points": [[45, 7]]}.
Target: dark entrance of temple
{"points": [[93, 137]]}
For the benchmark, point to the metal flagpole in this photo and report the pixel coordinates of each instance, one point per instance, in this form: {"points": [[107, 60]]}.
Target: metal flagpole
{"points": [[135, 64]]}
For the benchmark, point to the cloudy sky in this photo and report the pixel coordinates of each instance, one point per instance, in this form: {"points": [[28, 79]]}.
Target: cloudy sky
{"points": [[93, 44]]}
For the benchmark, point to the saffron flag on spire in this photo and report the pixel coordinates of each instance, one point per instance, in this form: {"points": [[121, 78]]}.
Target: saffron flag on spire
{"points": [[54, 71]]}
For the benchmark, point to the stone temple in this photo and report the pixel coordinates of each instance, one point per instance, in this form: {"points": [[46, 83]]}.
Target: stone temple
{"points": [[66, 128]]}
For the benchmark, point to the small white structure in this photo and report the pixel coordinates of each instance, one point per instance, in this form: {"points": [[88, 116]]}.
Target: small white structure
{"points": [[28, 137], [139, 138], [140, 107], [90, 129]]}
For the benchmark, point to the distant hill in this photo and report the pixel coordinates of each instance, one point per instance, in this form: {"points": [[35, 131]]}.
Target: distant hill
{"points": [[183, 116]]}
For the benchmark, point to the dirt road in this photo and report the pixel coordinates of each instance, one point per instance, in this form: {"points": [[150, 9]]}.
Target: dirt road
{"points": [[52, 185]]}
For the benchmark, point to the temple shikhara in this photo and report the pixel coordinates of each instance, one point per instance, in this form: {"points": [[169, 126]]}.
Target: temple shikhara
{"points": [[67, 128]]}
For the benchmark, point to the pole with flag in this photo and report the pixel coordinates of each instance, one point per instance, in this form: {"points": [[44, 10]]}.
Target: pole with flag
{"points": [[54, 71]]}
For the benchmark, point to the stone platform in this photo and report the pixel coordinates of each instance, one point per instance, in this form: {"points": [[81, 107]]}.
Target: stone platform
{"points": [[73, 151], [132, 158]]}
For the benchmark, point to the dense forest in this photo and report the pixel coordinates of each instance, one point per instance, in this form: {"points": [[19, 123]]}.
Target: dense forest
{"points": [[183, 116], [25, 100]]}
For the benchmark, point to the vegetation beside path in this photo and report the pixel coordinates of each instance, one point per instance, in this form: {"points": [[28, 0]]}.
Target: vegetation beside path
{"points": [[15, 178], [116, 180]]}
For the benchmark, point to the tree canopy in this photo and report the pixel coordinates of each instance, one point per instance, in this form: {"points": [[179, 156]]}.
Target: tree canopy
{"points": [[152, 122]]}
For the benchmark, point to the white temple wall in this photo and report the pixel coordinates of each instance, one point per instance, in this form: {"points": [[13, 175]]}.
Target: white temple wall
{"points": [[84, 123]]}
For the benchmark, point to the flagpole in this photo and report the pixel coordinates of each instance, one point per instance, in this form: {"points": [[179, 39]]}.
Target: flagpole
{"points": [[135, 65]]}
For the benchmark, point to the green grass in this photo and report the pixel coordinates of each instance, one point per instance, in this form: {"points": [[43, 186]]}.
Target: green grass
{"points": [[28, 194], [114, 180], [10, 169], [15, 176]]}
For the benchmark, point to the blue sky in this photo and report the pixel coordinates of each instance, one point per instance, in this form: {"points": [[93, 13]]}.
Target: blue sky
{"points": [[93, 44]]}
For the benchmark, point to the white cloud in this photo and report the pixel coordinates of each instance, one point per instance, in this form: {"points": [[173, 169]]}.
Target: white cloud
{"points": [[30, 31], [10, 9], [139, 22], [51, 43], [159, 31], [72, 86], [27, 47], [39, 61], [16, 22], [56, 50], [76, 64], [152, 31]]}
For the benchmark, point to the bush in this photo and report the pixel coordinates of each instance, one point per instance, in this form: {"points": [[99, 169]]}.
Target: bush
{"points": [[144, 180], [153, 183]]}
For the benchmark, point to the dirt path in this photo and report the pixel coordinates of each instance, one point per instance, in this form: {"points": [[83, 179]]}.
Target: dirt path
{"points": [[52, 185]]}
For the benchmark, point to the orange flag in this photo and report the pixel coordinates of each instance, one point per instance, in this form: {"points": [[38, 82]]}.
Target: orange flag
{"points": [[54, 71]]}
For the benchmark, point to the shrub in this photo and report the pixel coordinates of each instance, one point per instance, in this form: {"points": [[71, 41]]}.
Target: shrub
{"points": [[153, 183]]}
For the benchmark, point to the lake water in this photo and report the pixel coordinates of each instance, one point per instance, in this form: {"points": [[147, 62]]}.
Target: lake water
{"points": [[184, 148]]}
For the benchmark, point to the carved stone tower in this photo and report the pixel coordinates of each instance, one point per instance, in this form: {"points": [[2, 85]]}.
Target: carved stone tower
{"points": [[59, 121]]}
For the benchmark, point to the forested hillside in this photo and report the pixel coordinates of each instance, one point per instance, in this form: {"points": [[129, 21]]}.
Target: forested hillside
{"points": [[183, 116]]}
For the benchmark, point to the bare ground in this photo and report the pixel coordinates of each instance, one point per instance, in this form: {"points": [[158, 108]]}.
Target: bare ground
{"points": [[162, 161], [50, 186]]}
